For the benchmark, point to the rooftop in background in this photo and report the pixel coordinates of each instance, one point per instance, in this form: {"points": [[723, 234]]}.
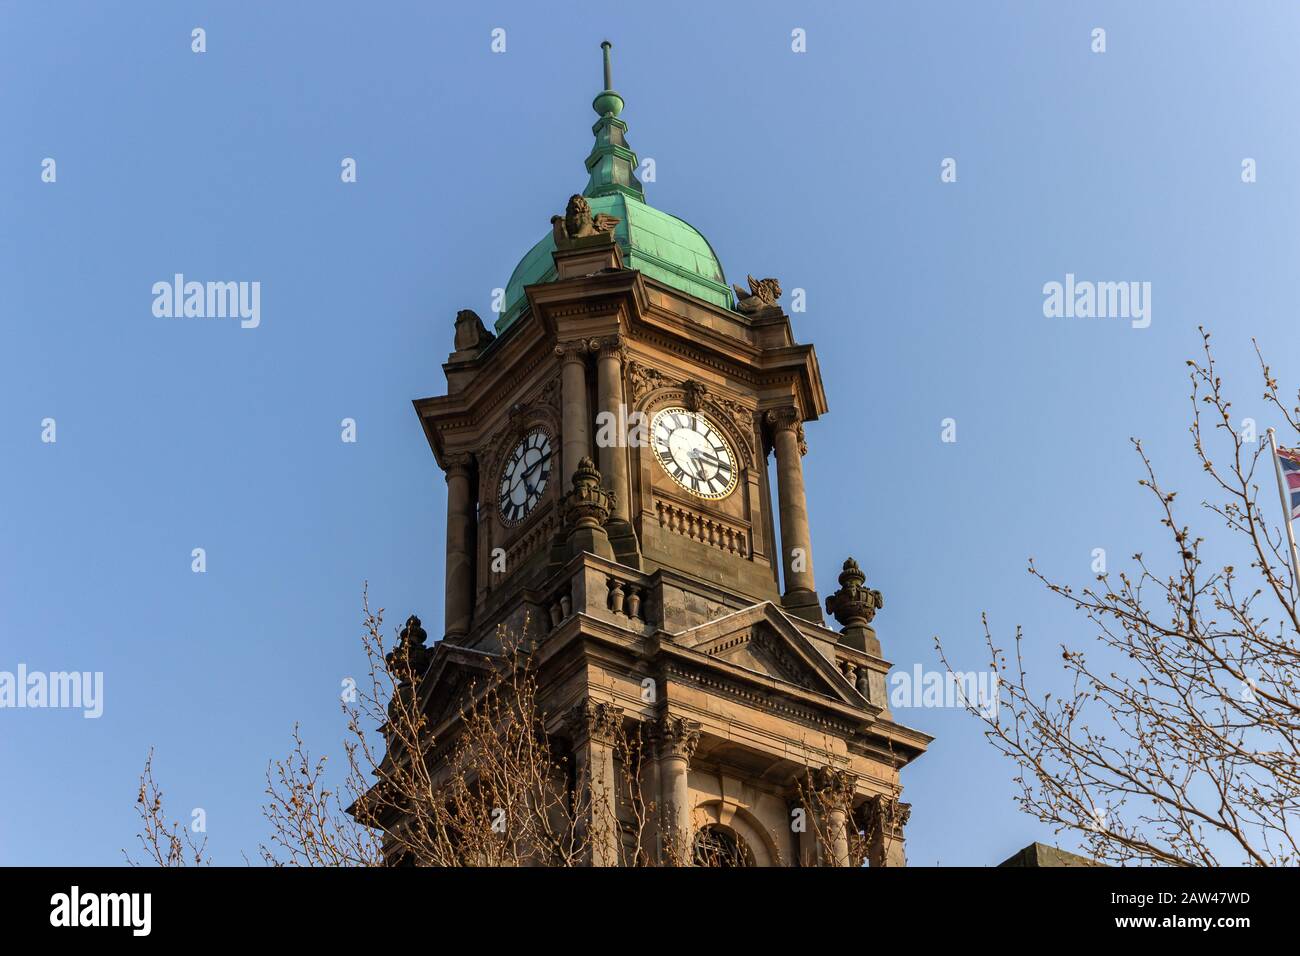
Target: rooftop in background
{"points": [[1040, 854]]}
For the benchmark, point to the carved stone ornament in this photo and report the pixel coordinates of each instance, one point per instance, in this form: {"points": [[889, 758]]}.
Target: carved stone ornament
{"points": [[471, 333], [572, 350], [788, 417], [835, 785], [587, 505], [677, 736], [613, 345], [887, 815], [595, 720], [762, 294], [578, 223], [643, 379], [854, 604], [457, 463], [407, 662], [694, 394]]}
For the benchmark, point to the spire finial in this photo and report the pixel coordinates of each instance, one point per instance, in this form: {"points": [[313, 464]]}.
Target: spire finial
{"points": [[611, 164], [607, 102]]}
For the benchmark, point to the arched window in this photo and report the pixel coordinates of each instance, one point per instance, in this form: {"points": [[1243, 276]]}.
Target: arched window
{"points": [[716, 845]]}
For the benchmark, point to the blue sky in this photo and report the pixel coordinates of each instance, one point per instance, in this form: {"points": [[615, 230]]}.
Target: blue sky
{"points": [[822, 168]]}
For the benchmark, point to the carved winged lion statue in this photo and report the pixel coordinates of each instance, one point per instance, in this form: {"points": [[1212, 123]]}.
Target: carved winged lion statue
{"points": [[762, 293], [578, 222]]}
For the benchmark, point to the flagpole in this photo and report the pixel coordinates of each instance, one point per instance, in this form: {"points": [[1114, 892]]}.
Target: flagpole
{"points": [[1286, 507]]}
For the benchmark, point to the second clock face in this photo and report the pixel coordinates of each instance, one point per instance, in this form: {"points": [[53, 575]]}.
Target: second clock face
{"points": [[694, 453], [524, 477]]}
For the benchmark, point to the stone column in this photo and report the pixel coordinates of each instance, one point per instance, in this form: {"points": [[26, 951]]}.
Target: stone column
{"points": [[835, 793], [609, 399], [800, 595], [886, 818], [651, 789], [575, 442], [593, 728], [459, 600], [678, 739]]}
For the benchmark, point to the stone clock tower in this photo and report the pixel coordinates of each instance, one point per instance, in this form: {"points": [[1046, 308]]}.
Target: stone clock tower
{"points": [[606, 454]]}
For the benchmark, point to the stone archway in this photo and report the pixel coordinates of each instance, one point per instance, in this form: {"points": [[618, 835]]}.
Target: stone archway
{"points": [[720, 846], [745, 829]]}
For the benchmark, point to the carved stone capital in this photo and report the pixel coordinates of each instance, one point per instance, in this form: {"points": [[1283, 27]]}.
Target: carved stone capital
{"points": [[835, 786], [457, 464], [595, 720], [572, 350], [610, 346], [886, 816], [677, 736], [787, 417]]}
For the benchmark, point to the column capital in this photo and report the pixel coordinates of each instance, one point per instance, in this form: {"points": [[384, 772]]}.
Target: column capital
{"points": [[676, 736], [457, 464], [835, 785], [787, 417], [888, 815], [594, 720], [610, 346], [573, 350]]}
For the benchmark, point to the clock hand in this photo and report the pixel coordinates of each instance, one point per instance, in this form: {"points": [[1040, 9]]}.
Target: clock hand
{"points": [[694, 454]]}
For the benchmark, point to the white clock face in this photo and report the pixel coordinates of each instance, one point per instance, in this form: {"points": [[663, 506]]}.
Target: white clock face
{"points": [[694, 453], [524, 477]]}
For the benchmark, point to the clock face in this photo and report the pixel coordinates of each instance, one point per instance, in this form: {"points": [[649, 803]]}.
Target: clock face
{"points": [[524, 477], [694, 453]]}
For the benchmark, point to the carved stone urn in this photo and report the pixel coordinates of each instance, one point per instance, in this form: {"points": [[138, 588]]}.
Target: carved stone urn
{"points": [[587, 508], [854, 605]]}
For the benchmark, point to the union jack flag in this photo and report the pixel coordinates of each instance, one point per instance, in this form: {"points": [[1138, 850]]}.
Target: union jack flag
{"points": [[1288, 459]]}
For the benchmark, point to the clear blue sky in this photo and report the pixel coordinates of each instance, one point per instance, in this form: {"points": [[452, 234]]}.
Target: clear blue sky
{"points": [[924, 299]]}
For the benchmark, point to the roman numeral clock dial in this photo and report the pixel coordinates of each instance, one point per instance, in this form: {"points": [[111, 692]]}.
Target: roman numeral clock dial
{"points": [[524, 477], [694, 453]]}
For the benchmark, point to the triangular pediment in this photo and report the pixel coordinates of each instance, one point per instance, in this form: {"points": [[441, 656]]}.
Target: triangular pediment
{"points": [[454, 673], [763, 639]]}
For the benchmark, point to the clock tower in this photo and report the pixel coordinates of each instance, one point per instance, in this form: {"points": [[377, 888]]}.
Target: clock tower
{"points": [[606, 450]]}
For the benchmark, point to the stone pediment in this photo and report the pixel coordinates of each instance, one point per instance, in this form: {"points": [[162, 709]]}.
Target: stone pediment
{"points": [[453, 673], [763, 639]]}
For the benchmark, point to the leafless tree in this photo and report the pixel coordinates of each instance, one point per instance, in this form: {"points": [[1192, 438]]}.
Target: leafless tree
{"points": [[1177, 742], [163, 843]]}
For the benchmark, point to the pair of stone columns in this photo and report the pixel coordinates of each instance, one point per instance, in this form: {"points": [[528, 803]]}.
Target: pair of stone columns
{"points": [[593, 728], [833, 795], [576, 443]]}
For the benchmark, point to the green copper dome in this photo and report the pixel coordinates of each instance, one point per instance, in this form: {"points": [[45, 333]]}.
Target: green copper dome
{"points": [[653, 242]]}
